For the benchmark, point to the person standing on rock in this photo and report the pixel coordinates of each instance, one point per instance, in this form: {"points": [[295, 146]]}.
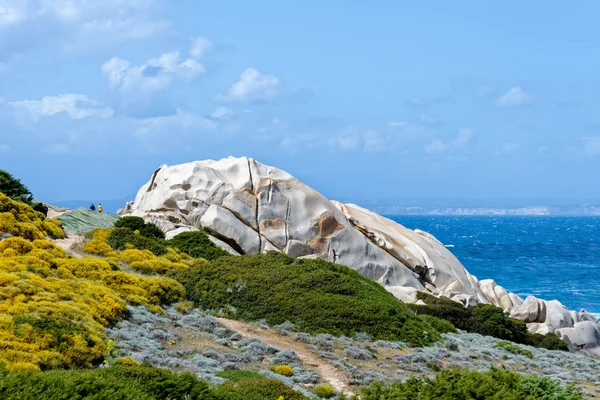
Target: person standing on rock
{"points": [[93, 207], [100, 207]]}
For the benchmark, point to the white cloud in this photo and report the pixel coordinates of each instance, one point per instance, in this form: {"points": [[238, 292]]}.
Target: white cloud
{"points": [[396, 124], [542, 149], [76, 106], [85, 24], [4, 148], [591, 146], [508, 148], [200, 46], [344, 143], [430, 120], [437, 146], [222, 113], [154, 75], [182, 122], [252, 86], [514, 97]]}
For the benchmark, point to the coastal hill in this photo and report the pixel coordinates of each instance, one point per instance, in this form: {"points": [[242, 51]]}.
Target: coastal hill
{"points": [[248, 208]]}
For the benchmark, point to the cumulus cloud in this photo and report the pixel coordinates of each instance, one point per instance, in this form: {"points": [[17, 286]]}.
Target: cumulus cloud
{"points": [[591, 146], [514, 97], [508, 148], [200, 46], [76, 106], [222, 113], [396, 124], [81, 24], [437, 146], [252, 86], [154, 75]]}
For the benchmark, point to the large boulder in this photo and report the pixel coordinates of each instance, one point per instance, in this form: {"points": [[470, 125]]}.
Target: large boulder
{"points": [[531, 310]]}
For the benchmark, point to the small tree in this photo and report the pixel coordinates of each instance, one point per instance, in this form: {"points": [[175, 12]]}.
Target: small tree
{"points": [[13, 188]]}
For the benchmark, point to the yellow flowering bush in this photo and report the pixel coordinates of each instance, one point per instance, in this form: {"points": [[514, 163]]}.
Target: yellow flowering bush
{"points": [[53, 306]]}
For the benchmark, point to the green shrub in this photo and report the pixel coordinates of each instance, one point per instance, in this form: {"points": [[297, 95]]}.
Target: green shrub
{"points": [[318, 296], [132, 223], [284, 370], [146, 229], [13, 188], [513, 348], [256, 389], [123, 383], [239, 375], [324, 391], [197, 244], [440, 325], [486, 320], [126, 362], [498, 384], [549, 341], [119, 238]]}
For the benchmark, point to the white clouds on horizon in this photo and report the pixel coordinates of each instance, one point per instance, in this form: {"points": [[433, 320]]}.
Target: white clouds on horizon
{"points": [[515, 97], [76, 106], [83, 24], [437, 146], [252, 86]]}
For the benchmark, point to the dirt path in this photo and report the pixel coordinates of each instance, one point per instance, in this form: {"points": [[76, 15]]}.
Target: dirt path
{"points": [[327, 372], [68, 243]]}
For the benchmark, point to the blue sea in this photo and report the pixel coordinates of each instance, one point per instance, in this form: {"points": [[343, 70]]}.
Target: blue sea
{"points": [[548, 257]]}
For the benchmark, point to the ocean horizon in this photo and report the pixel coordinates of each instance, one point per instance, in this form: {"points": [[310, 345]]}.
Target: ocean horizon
{"points": [[549, 257]]}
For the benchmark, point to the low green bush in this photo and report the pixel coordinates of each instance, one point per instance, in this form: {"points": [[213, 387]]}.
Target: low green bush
{"points": [[324, 391], [122, 383], [486, 320], [146, 229], [498, 384], [513, 348], [256, 389], [198, 245], [549, 341], [284, 370], [440, 325], [120, 238], [318, 296]]}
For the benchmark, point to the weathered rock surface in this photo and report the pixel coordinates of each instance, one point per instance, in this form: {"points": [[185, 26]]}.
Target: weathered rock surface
{"points": [[249, 207]]}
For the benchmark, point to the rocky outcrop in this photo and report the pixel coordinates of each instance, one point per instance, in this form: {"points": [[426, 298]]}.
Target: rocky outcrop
{"points": [[249, 207], [83, 220]]}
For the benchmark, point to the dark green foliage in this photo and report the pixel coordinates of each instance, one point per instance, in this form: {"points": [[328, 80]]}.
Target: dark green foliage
{"points": [[13, 188], [513, 348], [146, 229], [150, 237], [549, 341], [120, 237], [197, 245], [152, 231], [486, 320], [440, 325], [115, 383], [498, 384], [40, 207], [316, 295], [133, 223], [256, 389], [239, 375]]}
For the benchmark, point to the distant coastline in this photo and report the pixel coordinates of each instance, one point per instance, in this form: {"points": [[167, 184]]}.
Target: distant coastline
{"points": [[576, 211]]}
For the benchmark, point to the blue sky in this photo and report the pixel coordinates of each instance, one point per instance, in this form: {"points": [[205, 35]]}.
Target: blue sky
{"points": [[385, 100]]}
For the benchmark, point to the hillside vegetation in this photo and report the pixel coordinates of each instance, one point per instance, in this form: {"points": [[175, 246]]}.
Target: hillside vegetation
{"points": [[318, 296], [486, 320]]}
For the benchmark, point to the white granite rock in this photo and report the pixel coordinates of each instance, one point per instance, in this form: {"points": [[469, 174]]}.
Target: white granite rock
{"points": [[531, 310]]}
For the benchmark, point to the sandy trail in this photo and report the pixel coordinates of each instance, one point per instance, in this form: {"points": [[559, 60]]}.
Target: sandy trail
{"points": [[328, 372], [69, 242]]}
